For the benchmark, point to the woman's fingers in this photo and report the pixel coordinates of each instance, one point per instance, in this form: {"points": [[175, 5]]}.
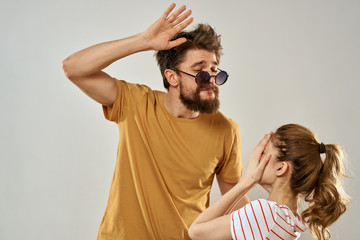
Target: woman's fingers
{"points": [[259, 149], [264, 141], [264, 161]]}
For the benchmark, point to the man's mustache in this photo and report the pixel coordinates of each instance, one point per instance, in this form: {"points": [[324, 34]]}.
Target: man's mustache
{"points": [[214, 88]]}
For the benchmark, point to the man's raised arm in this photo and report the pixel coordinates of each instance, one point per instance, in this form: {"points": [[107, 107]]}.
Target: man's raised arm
{"points": [[84, 68]]}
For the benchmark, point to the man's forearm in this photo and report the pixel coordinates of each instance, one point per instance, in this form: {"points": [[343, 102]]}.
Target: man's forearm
{"points": [[95, 58]]}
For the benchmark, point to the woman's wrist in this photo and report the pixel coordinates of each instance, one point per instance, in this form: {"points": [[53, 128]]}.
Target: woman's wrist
{"points": [[244, 185], [248, 180]]}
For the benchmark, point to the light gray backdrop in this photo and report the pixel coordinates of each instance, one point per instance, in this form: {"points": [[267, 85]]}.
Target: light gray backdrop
{"points": [[289, 62]]}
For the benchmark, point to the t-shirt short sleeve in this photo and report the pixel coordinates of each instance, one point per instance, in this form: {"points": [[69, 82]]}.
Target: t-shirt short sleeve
{"points": [[128, 94], [231, 167], [115, 112]]}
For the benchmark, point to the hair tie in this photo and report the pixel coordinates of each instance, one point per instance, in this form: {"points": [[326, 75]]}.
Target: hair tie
{"points": [[322, 148]]}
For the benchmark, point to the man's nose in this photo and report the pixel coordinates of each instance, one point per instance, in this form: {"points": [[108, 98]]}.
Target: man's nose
{"points": [[212, 79]]}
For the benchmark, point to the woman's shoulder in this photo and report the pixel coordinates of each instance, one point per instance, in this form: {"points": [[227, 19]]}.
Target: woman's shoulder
{"points": [[263, 205], [254, 220], [268, 218], [260, 206], [284, 222]]}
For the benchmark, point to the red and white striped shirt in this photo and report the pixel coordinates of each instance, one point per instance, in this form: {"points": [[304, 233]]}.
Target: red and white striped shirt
{"points": [[265, 220]]}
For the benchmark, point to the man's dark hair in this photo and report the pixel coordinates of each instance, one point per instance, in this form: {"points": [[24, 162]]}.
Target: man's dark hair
{"points": [[202, 37]]}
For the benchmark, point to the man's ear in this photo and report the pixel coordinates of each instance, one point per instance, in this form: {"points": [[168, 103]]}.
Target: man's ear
{"points": [[172, 77], [282, 168]]}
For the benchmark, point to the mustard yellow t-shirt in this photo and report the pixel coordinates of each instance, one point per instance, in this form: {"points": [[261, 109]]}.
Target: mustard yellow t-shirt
{"points": [[165, 166]]}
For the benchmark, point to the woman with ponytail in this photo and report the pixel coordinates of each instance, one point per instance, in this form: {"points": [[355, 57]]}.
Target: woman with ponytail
{"points": [[291, 164]]}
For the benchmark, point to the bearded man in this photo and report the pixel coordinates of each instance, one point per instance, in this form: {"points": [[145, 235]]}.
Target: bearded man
{"points": [[171, 144]]}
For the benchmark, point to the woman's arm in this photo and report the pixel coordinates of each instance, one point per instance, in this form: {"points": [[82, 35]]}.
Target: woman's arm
{"points": [[238, 203], [212, 224]]}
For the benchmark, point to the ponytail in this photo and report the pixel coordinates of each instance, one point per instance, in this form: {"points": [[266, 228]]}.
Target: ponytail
{"points": [[328, 201]]}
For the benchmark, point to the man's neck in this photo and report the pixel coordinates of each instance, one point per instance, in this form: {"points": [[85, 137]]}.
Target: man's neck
{"points": [[176, 108]]}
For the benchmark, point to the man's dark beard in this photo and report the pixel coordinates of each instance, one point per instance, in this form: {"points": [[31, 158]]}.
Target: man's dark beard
{"points": [[198, 105]]}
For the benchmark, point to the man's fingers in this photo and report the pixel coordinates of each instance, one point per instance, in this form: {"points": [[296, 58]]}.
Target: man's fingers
{"points": [[177, 42], [176, 13], [183, 25], [182, 17], [168, 11], [176, 30]]}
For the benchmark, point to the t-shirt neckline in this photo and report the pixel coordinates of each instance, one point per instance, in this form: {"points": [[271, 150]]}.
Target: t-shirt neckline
{"points": [[161, 95]]}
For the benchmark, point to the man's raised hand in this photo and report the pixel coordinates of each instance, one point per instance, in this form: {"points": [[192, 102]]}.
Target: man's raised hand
{"points": [[158, 36]]}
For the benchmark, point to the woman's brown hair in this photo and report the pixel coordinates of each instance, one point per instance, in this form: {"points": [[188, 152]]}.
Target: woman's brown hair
{"points": [[318, 180]]}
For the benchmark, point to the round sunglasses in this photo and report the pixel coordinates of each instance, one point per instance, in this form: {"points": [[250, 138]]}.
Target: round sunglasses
{"points": [[203, 77]]}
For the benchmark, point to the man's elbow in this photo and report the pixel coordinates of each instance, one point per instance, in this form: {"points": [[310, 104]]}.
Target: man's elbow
{"points": [[66, 66]]}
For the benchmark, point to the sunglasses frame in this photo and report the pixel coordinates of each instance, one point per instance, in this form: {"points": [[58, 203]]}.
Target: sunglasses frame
{"points": [[196, 76]]}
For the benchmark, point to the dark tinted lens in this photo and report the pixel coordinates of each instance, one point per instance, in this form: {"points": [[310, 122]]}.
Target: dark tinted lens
{"points": [[202, 78], [221, 78]]}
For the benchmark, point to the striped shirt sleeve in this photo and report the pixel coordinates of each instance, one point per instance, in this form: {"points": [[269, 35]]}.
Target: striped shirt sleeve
{"points": [[262, 219]]}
